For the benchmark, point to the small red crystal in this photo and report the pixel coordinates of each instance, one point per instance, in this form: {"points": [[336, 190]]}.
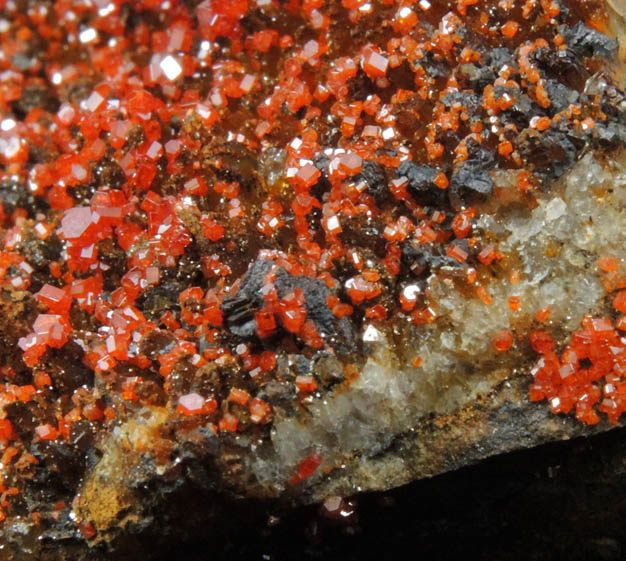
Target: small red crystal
{"points": [[503, 340], [191, 404], [46, 432]]}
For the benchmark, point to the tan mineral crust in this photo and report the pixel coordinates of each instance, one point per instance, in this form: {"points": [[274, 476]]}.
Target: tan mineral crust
{"points": [[422, 398]]}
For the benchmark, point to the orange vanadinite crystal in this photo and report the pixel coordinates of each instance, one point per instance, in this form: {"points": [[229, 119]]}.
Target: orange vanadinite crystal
{"points": [[487, 255], [461, 224], [510, 28], [6, 430], [374, 63], [505, 148], [541, 341], [542, 314], [228, 423], [503, 340], [306, 384], [239, 396], [608, 264], [540, 123], [619, 301], [260, 411], [514, 303], [441, 180], [457, 252]]}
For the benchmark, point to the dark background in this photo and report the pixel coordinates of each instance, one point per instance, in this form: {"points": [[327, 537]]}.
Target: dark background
{"points": [[565, 500]]}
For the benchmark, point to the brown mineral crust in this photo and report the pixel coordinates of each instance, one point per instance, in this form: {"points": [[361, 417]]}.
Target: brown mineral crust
{"points": [[106, 495]]}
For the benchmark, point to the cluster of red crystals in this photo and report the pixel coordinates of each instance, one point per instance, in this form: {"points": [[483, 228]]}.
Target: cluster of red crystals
{"points": [[589, 375], [49, 330], [165, 156], [292, 311]]}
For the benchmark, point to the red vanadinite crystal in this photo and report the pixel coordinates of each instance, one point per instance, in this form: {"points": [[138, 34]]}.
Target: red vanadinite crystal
{"points": [[267, 361], [306, 468], [239, 396], [228, 423], [510, 28], [374, 63], [46, 432], [619, 301], [541, 341], [487, 255], [55, 299], [6, 430], [462, 225], [457, 252], [191, 404], [503, 340], [306, 384], [260, 411], [292, 311], [566, 382]]}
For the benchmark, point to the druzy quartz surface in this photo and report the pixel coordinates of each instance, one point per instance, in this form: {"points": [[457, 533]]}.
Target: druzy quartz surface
{"points": [[273, 237]]}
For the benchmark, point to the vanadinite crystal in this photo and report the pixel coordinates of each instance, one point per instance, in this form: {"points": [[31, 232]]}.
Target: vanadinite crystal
{"points": [[292, 230]]}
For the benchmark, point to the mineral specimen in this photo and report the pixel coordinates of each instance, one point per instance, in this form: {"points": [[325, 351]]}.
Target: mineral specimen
{"points": [[296, 249]]}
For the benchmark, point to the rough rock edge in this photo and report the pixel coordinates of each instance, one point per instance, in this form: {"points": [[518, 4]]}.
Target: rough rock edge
{"points": [[500, 422]]}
